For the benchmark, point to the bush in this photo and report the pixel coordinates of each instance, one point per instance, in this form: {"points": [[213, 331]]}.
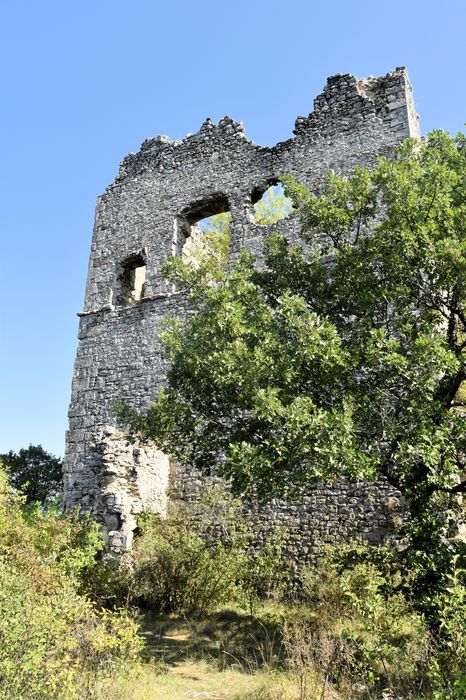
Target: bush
{"points": [[174, 569], [376, 638], [201, 557], [53, 640], [448, 670], [51, 644], [433, 585]]}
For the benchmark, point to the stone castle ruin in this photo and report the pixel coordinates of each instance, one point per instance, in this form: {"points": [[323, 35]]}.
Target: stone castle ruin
{"points": [[147, 215]]}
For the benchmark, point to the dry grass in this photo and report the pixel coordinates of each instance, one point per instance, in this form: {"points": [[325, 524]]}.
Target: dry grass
{"points": [[228, 638], [197, 679], [226, 656]]}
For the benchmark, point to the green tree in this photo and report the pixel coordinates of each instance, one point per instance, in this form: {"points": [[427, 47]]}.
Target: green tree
{"points": [[346, 358], [34, 472], [273, 206], [216, 239]]}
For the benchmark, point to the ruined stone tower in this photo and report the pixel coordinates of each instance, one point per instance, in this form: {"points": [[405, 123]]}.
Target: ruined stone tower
{"points": [[144, 217]]}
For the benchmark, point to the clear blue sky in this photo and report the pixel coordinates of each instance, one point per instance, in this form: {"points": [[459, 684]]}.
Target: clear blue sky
{"points": [[84, 83]]}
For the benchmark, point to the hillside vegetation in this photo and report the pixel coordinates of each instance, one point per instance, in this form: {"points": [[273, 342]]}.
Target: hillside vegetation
{"points": [[186, 613]]}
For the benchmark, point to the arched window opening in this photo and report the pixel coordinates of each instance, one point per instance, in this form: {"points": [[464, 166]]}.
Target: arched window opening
{"points": [[203, 231], [131, 280], [270, 203]]}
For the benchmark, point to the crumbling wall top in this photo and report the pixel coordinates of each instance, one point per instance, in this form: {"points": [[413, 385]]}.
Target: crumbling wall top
{"points": [[344, 104], [345, 101]]}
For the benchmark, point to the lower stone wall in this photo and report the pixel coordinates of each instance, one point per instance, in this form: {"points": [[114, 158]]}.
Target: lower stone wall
{"points": [[330, 514], [133, 477]]}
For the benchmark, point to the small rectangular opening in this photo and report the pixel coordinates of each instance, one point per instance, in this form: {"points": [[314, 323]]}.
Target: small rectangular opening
{"points": [[131, 281]]}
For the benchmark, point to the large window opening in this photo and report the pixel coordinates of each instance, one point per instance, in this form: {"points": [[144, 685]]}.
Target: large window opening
{"points": [[132, 280], [203, 231], [270, 203]]}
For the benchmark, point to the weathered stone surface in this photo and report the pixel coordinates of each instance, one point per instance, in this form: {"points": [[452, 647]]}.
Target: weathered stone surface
{"points": [[144, 217]]}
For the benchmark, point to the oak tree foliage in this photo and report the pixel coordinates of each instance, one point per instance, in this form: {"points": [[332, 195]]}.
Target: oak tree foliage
{"points": [[344, 355]]}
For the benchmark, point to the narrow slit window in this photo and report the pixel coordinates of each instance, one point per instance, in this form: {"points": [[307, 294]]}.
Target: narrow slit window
{"points": [[139, 282]]}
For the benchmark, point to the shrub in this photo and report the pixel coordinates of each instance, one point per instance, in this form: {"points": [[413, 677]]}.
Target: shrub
{"points": [[382, 641], [53, 640], [266, 573], [448, 669], [201, 557], [174, 569], [52, 644]]}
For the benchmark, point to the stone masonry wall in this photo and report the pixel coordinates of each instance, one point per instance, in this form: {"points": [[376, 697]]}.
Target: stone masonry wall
{"points": [[142, 219]]}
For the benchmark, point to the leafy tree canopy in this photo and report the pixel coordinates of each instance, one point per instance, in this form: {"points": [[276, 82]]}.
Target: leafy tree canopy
{"points": [[346, 355], [34, 472]]}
